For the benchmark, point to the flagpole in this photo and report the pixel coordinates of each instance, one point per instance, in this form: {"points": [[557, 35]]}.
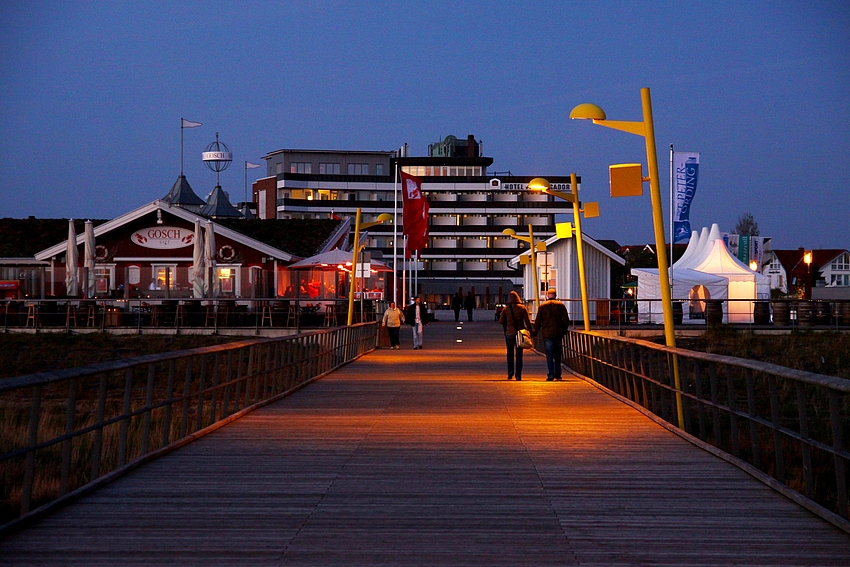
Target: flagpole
{"points": [[181, 146], [404, 273], [246, 181], [183, 124], [395, 233], [671, 220]]}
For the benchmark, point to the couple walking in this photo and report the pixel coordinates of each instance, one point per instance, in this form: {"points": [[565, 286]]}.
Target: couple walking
{"points": [[552, 323], [415, 316]]}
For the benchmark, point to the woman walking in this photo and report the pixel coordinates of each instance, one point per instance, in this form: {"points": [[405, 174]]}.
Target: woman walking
{"points": [[393, 318], [513, 318]]}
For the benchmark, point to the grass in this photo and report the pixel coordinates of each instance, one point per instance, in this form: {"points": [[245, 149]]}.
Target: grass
{"points": [[825, 352], [22, 354]]}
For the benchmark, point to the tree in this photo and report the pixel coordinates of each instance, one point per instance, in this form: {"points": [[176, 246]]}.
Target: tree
{"points": [[747, 225]]}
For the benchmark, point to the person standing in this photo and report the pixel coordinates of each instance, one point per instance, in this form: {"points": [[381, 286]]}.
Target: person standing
{"points": [[552, 323], [513, 318], [393, 318], [469, 305], [417, 317], [457, 305]]}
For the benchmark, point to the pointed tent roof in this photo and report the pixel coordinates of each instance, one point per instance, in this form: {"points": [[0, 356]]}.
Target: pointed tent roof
{"points": [[182, 195], [218, 205], [719, 261], [693, 244], [333, 258]]}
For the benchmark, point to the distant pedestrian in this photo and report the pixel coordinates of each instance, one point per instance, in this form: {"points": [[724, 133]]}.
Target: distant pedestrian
{"points": [[552, 323], [469, 305], [457, 305], [417, 317], [393, 318], [513, 318]]}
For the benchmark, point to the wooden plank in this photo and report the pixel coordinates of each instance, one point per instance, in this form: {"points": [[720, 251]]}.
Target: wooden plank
{"points": [[430, 457]]}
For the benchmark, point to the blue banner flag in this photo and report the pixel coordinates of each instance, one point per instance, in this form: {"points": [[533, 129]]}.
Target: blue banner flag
{"points": [[686, 174]]}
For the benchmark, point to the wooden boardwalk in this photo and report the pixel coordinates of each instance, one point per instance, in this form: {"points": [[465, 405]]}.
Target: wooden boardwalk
{"points": [[432, 458]]}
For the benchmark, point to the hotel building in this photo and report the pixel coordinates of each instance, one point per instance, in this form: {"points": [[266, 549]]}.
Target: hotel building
{"points": [[469, 208]]}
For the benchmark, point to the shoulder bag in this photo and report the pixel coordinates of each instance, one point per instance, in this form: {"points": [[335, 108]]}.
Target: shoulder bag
{"points": [[523, 337]]}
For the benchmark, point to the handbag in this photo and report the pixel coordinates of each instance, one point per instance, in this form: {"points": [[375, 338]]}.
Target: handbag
{"points": [[523, 336], [523, 339]]}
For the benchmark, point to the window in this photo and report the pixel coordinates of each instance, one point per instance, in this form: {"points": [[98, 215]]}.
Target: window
{"points": [[329, 169], [300, 167], [163, 274], [358, 169], [379, 169], [104, 281], [279, 168], [842, 262]]}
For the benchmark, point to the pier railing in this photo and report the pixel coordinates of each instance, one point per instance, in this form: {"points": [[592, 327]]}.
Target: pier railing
{"points": [[790, 425], [64, 433]]}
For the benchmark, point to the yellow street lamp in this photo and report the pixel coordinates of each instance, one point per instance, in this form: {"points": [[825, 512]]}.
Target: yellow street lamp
{"points": [[626, 180], [590, 210], [807, 260], [358, 226], [539, 247]]}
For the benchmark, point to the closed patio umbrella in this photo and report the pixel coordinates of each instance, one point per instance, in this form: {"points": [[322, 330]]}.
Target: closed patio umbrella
{"points": [[199, 286], [88, 258], [214, 285], [71, 258]]}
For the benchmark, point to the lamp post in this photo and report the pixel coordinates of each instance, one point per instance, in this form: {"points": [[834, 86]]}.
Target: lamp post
{"points": [[646, 129], [541, 246], [807, 260], [591, 210], [358, 226]]}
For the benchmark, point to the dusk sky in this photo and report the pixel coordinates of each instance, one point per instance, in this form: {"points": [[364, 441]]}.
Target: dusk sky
{"points": [[92, 93]]}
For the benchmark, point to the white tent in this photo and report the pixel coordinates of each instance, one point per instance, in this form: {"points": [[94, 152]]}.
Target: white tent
{"points": [[693, 245], [705, 271], [689, 286], [744, 283]]}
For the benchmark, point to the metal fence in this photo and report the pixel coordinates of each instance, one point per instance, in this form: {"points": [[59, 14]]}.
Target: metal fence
{"points": [[164, 314], [787, 424], [66, 432]]}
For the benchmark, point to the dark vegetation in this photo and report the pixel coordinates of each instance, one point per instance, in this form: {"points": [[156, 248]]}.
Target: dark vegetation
{"points": [[22, 354], [822, 352]]}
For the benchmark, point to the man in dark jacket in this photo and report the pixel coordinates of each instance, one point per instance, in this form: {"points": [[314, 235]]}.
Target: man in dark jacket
{"points": [[552, 323], [469, 305], [457, 305]]}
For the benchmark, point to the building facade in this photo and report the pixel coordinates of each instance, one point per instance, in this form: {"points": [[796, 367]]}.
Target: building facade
{"points": [[469, 208]]}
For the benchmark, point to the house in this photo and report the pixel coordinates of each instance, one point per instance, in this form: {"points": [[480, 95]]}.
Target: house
{"points": [[558, 268], [148, 252], [826, 277]]}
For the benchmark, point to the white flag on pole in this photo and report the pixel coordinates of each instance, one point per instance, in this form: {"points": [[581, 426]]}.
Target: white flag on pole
{"points": [[189, 124], [249, 165]]}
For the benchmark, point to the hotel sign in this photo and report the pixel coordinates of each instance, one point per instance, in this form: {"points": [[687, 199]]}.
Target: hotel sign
{"points": [[164, 237], [524, 187]]}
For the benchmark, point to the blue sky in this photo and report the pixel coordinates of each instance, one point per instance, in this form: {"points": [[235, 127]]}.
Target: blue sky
{"points": [[91, 96]]}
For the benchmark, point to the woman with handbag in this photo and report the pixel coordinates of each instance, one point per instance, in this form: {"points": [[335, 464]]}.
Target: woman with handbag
{"points": [[513, 319]]}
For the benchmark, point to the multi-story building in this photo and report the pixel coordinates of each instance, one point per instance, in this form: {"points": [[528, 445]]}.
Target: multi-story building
{"points": [[469, 208]]}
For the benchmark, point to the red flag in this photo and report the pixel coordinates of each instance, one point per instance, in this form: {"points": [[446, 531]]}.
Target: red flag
{"points": [[415, 214]]}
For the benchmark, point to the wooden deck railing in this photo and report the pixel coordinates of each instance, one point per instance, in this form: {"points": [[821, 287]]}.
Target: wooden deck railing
{"points": [[64, 433], [787, 424]]}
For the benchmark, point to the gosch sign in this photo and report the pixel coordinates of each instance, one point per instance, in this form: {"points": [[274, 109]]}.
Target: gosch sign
{"points": [[163, 237]]}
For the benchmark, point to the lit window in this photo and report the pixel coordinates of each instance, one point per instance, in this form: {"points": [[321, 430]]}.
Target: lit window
{"points": [[300, 167]]}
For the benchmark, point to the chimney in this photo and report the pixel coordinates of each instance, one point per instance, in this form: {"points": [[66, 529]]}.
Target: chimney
{"points": [[470, 146]]}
